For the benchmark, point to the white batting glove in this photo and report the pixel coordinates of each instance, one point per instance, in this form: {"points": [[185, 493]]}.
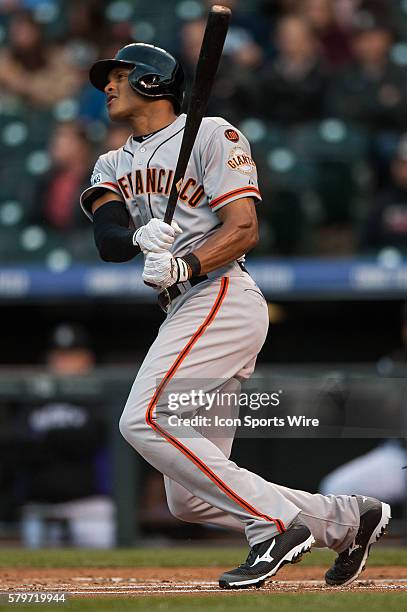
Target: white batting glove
{"points": [[156, 236], [164, 270]]}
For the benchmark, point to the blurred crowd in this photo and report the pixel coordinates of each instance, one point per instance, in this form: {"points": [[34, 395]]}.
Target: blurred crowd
{"points": [[318, 86]]}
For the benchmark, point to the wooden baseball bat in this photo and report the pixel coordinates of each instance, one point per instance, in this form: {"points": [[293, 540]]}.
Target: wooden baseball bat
{"points": [[209, 56]]}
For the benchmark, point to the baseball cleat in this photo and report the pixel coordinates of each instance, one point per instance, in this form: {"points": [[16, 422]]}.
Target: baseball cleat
{"points": [[266, 558], [374, 518]]}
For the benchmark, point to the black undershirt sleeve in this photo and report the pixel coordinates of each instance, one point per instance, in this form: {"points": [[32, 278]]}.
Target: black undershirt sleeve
{"points": [[113, 238]]}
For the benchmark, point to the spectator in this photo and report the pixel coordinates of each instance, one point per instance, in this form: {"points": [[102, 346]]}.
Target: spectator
{"points": [[372, 90], [292, 88], [334, 40], [345, 11], [87, 28], [386, 225], [234, 86], [38, 73], [63, 458], [58, 193]]}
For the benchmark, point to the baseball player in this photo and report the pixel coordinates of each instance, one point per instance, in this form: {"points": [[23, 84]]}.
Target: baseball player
{"points": [[216, 322]]}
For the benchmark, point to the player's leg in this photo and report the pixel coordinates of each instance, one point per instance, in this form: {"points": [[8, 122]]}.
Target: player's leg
{"points": [[373, 517], [194, 461], [325, 515], [208, 335], [187, 507]]}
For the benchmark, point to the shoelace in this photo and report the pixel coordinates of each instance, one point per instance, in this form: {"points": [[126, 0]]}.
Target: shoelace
{"points": [[251, 556]]}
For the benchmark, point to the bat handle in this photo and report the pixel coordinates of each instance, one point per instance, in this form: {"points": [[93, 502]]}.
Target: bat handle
{"points": [[169, 213]]}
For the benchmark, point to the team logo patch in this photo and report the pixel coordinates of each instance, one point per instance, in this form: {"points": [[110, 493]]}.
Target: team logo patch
{"points": [[232, 135], [241, 161], [96, 178]]}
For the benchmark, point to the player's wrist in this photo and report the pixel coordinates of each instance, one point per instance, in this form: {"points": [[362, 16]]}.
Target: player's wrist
{"points": [[193, 265], [135, 237]]}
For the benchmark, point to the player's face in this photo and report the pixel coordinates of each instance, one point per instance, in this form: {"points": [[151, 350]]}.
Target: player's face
{"points": [[121, 100]]}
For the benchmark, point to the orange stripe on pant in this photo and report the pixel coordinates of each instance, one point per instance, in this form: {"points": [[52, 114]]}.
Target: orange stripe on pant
{"points": [[174, 441]]}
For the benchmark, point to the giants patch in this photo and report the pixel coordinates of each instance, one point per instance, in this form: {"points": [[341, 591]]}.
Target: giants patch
{"points": [[239, 160], [232, 135]]}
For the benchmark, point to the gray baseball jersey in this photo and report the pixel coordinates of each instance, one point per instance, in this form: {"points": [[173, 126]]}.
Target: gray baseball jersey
{"points": [[213, 331], [220, 170]]}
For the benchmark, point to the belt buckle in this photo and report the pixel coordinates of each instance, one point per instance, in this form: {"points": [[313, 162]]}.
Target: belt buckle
{"points": [[165, 294]]}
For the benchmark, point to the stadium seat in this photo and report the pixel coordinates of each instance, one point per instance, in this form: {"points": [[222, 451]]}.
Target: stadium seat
{"points": [[336, 153]]}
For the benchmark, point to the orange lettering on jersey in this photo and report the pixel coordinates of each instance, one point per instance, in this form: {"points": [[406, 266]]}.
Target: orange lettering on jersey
{"points": [[151, 180], [169, 181], [196, 197], [161, 174], [139, 183], [189, 183], [124, 187]]}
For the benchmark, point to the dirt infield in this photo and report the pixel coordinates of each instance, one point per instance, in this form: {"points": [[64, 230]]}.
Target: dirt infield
{"points": [[91, 582]]}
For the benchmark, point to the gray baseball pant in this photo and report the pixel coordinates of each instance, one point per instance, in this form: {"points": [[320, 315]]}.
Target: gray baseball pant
{"points": [[215, 331]]}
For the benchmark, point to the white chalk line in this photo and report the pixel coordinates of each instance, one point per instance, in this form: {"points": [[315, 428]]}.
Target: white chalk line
{"points": [[195, 587]]}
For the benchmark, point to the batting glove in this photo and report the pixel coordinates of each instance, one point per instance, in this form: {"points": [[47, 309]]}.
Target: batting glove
{"points": [[164, 270], [156, 236]]}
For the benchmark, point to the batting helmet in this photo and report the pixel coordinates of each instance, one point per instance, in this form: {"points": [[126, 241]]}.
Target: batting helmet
{"points": [[155, 73]]}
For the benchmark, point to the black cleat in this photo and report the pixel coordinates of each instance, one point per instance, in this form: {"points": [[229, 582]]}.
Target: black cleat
{"points": [[266, 558], [374, 518]]}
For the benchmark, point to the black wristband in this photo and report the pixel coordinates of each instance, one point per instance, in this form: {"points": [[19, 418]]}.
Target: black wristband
{"points": [[193, 262]]}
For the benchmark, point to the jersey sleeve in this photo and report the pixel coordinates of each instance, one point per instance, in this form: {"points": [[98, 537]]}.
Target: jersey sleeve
{"points": [[103, 178], [229, 171]]}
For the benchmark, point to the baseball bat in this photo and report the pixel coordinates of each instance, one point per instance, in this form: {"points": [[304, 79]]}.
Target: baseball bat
{"points": [[209, 57]]}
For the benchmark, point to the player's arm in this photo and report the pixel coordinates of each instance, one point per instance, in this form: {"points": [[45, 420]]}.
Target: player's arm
{"points": [[237, 235], [111, 229], [117, 239]]}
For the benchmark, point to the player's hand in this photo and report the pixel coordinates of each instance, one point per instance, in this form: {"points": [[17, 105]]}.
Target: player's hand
{"points": [[164, 270], [156, 236]]}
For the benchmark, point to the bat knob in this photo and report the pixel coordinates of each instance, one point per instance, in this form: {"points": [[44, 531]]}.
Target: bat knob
{"points": [[219, 9]]}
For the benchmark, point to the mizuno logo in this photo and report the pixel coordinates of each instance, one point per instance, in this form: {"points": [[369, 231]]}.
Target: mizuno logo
{"points": [[266, 558]]}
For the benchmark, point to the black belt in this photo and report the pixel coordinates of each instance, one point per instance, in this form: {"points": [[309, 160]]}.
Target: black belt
{"points": [[168, 295]]}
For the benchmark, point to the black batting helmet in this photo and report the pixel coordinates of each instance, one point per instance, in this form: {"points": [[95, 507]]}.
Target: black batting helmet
{"points": [[155, 72]]}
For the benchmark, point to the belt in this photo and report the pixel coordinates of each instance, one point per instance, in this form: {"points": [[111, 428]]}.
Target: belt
{"points": [[168, 295]]}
